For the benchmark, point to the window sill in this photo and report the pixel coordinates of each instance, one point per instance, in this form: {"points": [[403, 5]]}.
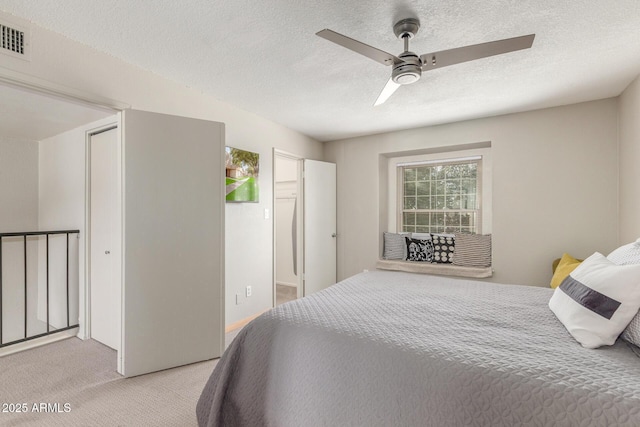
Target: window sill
{"points": [[432, 268]]}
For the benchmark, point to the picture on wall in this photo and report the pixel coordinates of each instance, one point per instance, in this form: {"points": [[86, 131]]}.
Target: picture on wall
{"points": [[242, 175]]}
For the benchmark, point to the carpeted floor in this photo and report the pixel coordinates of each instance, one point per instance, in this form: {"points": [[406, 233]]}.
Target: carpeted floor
{"points": [[285, 293], [82, 375]]}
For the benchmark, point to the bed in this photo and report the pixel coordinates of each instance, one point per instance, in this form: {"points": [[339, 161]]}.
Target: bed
{"points": [[389, 348]]}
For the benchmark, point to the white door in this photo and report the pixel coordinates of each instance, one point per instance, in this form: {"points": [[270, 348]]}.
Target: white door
{"points": [[319, 225], [104, 241], [174, 200]]}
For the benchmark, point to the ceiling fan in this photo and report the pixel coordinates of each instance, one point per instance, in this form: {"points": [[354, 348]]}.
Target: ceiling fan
{"points": [[408, 67]]}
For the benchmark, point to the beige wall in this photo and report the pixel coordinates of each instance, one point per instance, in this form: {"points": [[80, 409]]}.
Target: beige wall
{"points": [[554, 186], [18, 185], [63, 62], [629, 140]]}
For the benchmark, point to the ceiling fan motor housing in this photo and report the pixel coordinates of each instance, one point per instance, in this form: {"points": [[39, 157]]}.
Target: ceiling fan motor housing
{"points": [[409, 70]]}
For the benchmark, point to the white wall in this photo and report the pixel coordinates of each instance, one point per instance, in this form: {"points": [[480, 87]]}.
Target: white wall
{"points": [[629, 145], [63, 62], [18, 185], [554, 186], [18, 212]]}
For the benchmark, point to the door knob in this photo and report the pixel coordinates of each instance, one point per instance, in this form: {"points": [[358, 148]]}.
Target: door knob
{"points": [[107, 252], [334, 235]]}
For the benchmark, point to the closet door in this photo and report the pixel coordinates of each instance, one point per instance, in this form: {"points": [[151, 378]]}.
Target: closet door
{"points": [[105, 281], [173, 298], [319, 225]]}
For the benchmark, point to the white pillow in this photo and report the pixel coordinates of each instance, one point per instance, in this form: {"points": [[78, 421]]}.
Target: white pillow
{"points": [[626, 254], [421, 236], [597, 300]]}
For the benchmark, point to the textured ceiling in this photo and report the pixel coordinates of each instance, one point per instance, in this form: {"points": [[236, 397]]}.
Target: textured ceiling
{"points": [[264, 57]]}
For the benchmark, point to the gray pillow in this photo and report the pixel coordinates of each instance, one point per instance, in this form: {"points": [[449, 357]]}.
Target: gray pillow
{"points": [[625, 255], [394, 246], [472, 250], [632, 331]]}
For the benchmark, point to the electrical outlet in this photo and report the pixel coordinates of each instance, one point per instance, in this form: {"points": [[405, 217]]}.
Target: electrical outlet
{"points": [[248, 291]]}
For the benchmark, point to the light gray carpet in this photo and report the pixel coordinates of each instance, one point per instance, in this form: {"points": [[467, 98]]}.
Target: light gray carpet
{"points": [[83, 374], [285, 293]]}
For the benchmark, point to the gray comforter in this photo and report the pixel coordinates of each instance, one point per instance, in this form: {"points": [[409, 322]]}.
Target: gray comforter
{"points": [[387, 348]]}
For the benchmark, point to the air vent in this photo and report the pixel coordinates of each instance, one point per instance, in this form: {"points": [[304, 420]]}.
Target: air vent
{"points": [[14, 40]]}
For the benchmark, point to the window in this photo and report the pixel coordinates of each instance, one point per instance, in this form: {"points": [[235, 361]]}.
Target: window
{"points": [[440, 196]]}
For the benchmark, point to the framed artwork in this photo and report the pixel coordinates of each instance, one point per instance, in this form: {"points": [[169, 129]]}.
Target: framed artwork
{"points": [[242, 175]]}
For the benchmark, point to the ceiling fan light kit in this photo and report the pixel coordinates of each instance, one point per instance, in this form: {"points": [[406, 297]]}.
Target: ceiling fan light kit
{"points": [[409, 70], [407, 67]]}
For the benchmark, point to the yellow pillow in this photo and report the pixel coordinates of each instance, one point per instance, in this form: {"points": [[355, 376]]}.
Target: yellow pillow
{"points": [[566, 265]]}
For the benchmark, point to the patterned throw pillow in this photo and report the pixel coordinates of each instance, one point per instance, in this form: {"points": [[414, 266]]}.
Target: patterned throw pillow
{"points": [[443, 247], [597, 300], [419, 250], [626, 255], [632, 332], [472, 250], [394, 246]]}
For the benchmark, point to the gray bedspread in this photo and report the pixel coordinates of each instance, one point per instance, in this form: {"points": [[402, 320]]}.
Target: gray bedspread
{"points": [[400, 349]]}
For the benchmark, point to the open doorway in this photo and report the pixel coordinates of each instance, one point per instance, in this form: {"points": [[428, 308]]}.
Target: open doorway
{"points": [[42, 149], [287, 206], [304, 200]]}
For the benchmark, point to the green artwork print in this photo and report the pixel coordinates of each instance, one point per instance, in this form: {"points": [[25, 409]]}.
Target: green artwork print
{"points": [[242, 175]]}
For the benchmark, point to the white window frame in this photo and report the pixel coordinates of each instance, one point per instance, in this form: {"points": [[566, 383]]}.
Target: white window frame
{"points": [[484, 220]]}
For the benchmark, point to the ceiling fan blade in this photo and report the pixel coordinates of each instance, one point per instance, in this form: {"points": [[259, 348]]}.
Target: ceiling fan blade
{"points": [[443, 58], [363, 49], [387, 91]]}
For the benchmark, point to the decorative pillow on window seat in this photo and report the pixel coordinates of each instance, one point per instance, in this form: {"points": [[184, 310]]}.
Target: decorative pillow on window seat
{"points": [[443, 247], [472, 250], [394, 246], [597, 300], [419, 250]]}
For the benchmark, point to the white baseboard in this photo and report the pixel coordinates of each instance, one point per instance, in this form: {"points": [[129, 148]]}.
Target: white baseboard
{"points": [[37, 342]]}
